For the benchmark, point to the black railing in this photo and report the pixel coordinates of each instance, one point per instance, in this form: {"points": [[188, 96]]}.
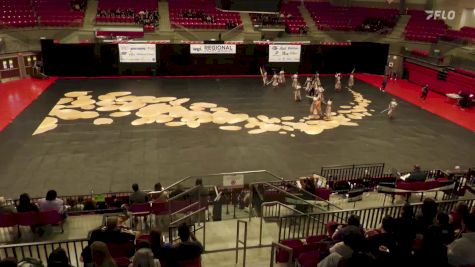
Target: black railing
{"points": [[41, 250], [301, 226], [367, 174]]}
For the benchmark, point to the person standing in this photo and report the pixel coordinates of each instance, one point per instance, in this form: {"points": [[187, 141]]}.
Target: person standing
{"points": [[383, 84], [308, 85], [391, 108], [328, 110], [264, 76], [351, 80], [295, 80], [297, 96], [282, 76], [338, 82], [424, 92], [274, 80]]}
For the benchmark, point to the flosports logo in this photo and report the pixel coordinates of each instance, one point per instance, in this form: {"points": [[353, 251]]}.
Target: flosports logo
{"points": [[440, 14]]}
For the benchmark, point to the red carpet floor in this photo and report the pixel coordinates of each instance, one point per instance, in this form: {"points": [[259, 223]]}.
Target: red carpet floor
{"points": [[435, 103], [15, 96]]}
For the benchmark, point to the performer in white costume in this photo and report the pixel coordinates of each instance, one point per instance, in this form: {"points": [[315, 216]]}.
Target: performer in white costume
{"points": [[391, 108], [308, 85], [328, 110], [351, 80], [296, 89], [264, 76], [338, 82], [315, 107], [316, 80], [274, 80], [295, 80], [282, 76]]}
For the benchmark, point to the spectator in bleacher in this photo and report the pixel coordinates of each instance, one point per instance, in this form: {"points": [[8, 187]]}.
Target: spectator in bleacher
{"points": [[8, 262], [385, 236], [352, 242], [189, 247], [5, 207], [25, 205], [405, 233], [101, 256], [433, 251], [442, 220], [178, 190], [137, 197], [427, 216], [143, 257], [51, 202], [353, 226], [58, 258], [160, 250], [460, 212], [200, 193], [111, 232], [461, 251], [159, 195]]}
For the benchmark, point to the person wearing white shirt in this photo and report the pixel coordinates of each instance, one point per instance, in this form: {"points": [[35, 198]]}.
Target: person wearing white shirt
{"points": [[51, 202]]}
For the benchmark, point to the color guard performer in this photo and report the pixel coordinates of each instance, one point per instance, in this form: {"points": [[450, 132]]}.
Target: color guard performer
{"points": [[316, 80], [308, 85], [391, 108], [338, 82], [295, 80], [274, 80], [328, 110], [351, 80], [282, 76], [264, 75], [315, 107], [297, 96]]}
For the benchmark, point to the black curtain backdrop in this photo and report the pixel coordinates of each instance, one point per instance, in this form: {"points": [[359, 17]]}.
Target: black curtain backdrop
{"points": [[176, 60]]}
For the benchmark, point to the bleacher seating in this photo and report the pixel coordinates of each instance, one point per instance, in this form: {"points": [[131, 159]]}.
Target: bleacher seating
{"points": [[464, 34], [329, 17], [57, 13], [421, 29], [201, 9], [128, 11], [290, 18], [454, 83], [16, 13]]}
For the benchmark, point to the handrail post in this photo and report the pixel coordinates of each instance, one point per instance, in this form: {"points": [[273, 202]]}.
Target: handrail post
{"points": [[244, 242], [260, 227]]}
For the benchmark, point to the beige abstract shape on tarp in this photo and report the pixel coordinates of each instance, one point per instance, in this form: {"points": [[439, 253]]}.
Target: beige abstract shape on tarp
{"points": [[103, 121], [48, 124], [171, 112]]}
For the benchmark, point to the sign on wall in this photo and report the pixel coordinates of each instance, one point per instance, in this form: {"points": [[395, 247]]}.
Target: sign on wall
{"points": [[137, 53], [212, 49], [284, 53], [233, 180]]}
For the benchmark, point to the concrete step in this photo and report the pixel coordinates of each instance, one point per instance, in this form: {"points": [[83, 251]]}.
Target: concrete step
{"points": [[164, 12], [90, 15], [312, 28]]}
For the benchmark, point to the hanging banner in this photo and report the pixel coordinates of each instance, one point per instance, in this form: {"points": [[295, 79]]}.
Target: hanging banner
{"points": [[284, 53], [137, 53], [212, 49]]}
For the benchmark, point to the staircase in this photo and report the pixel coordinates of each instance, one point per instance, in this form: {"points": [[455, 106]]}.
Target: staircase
{"points": [[90, 15], [312, 27], [164, 22], [399, 28], [247, 22]]}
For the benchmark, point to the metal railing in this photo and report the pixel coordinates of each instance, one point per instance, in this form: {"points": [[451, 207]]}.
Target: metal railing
{"points": [[274, 247], [41, 250], [196, 219], [339, 173], [243, 242], [301, 226]]}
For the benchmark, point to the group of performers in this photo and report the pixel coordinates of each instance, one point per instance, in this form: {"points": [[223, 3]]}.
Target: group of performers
{"points": [[315, 91]]}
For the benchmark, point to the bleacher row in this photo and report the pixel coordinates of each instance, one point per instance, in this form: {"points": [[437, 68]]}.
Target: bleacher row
{"points": [[455, 81]]}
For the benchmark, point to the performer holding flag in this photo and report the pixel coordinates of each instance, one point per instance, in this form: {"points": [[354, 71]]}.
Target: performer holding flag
{"points": [[391, 108], [274, 80], [338, 82], [351, 80], [264, 75]]}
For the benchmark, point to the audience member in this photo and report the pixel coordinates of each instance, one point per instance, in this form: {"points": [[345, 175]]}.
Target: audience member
{"points": [[433, 251], [101, 256], [456, 216], [137, 197], [111, 232], [177, 191], [352, 242], [58, 258], [353, 226], [160, 250], [143, 257], [385, 237], [189, 247], [461, 251], [448, 235], [159, 195], [427, 216], [25, 205], [51, 202], [405, 233]]}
